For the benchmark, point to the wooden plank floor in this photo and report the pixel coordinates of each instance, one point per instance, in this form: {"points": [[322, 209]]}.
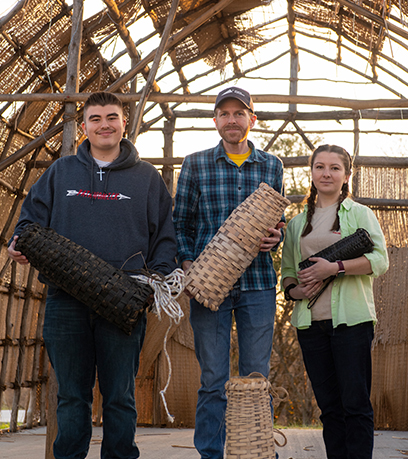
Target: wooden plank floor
{"points": [[155, 443]]}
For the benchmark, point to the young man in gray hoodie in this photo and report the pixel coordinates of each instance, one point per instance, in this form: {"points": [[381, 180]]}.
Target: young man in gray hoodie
{"points": [[108, 200]]}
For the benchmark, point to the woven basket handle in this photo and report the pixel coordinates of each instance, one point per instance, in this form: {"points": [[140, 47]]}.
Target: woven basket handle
{"points": [[256, 374]]}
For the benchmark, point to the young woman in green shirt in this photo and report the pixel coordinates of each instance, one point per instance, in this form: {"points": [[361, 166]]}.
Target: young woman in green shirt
{"points": [[336, 333]]}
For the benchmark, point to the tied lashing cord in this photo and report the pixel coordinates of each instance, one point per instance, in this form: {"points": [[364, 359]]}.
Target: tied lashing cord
{"points": [[166, 291]]}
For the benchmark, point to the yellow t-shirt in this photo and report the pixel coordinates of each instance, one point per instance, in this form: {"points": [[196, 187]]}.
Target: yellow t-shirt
{"points": [[239, 159]]}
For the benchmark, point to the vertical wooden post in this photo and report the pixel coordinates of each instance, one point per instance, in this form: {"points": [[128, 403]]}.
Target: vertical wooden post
{"points": [[356, 152], [22, 351], [133, 89], [72, 84], [52, 428], [36, 374], [168, 171], [294, 55], [7, 353], [68, 148]]}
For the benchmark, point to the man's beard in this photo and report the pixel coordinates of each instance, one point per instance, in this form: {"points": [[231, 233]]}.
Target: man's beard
{"points": [[233, 137]]}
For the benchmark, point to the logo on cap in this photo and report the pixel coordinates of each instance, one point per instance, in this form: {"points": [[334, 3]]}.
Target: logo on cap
{"points": [[236, 93]]}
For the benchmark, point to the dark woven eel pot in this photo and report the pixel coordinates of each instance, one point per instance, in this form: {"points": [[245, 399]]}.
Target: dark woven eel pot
{"points": [[353, 246], [105, 289]]}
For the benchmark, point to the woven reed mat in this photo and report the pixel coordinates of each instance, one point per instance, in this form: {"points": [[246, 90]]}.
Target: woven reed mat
{"points": [[232, 249], [105, 289], [249, 424]]}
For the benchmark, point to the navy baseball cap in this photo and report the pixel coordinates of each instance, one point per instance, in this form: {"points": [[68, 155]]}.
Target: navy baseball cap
{"points": [[235, 93]]}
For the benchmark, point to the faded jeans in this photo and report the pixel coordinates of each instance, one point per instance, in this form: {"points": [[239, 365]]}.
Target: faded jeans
{"points": [[254, 313]]}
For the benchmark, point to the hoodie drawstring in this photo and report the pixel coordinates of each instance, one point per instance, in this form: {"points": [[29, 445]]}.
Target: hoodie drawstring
{"points": [[92, 181]]}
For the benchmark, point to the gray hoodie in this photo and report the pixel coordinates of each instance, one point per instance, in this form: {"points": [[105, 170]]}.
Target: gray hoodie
{"points": [[121, 213]]}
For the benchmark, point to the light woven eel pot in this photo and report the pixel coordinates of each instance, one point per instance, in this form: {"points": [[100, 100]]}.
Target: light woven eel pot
{"points": [[212, 275], [89, 279], [249, 425]]}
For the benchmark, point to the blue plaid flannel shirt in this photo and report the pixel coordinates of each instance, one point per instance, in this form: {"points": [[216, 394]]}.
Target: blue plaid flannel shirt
{"points": [[209, 188]]}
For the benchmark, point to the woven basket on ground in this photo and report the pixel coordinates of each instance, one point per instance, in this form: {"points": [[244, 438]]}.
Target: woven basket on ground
{"points": [[105, 289], [249, 424], [233, 248]]}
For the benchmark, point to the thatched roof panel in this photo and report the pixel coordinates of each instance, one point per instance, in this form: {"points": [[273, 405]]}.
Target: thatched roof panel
{"points": [[226, 27], [45, 115], [7, 52], [402, 6], [346, 22], [100, 25], [52, 45], [188, 10], [31, 20], [20, 73]]}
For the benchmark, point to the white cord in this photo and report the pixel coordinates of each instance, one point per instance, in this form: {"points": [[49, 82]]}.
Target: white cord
{"points": [[166, 292]]}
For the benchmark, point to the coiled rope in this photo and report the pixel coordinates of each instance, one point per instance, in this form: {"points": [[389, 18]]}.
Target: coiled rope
{"points": [[166, 291]]}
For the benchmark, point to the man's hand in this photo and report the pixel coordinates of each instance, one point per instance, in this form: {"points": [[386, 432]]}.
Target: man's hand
{"points": [[14, 255], [275, 236], [185, 265]]}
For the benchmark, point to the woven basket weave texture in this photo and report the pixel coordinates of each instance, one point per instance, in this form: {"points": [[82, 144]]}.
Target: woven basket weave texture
{"points": [[233, 248], [89, 279], [353, 246], [249, 425]]}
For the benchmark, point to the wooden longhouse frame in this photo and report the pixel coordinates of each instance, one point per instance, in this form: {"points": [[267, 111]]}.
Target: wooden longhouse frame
{"points": [[47, 72]]}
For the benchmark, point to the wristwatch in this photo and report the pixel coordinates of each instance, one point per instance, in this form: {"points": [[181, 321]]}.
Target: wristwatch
{"points": [[341, 271], [288, 296]]}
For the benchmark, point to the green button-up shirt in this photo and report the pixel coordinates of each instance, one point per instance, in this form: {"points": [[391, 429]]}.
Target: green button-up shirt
{"points": [[352, 299]]}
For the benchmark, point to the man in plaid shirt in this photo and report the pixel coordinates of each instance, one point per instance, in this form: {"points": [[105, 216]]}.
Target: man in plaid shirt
{"points": [[211, 185]]}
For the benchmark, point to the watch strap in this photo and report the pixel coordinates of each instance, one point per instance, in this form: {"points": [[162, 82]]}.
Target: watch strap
{"points": [[341, 271]]}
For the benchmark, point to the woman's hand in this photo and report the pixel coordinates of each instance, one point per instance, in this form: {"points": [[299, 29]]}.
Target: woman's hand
{"points": [[302, 291], [322, 269], [310, 289]]}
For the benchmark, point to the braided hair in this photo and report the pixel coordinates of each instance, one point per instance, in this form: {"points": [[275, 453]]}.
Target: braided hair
{"points": [[311, 198]]}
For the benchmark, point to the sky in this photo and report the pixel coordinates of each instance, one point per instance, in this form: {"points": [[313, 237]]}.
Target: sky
{"points": [[317, 77]]}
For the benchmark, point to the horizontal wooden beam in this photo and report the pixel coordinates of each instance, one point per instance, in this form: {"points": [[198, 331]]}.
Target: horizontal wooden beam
{"points": [[359, 161], [336, 115], [154, 161], [210, 99], [371, 202], [290, 161]]}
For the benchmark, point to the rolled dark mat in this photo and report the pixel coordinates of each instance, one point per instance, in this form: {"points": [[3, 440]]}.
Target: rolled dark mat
{"points": [[353, 246], [105, 289]]}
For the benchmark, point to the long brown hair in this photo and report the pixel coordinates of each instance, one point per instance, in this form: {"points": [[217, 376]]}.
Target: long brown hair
{"points": [[311, 198]]}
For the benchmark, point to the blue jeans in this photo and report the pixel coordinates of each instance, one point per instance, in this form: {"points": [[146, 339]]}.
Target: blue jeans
{"points": [[78, 341], [254, 316], [338, 362]]}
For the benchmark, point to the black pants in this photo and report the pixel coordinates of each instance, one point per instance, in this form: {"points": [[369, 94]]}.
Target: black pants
{"points": [[338, 363]]}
